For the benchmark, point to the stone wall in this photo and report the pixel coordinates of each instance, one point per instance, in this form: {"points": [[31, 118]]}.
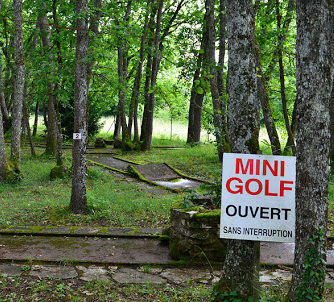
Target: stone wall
{"points": [[194, 235]]}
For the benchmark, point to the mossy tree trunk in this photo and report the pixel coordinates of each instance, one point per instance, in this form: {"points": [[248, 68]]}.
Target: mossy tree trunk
{"points": [[313, 80], [78, 197], [240, 271], [18, 88]]}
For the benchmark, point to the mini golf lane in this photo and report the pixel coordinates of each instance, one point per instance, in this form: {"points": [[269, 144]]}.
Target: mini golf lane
{"points": [[157, 173]]}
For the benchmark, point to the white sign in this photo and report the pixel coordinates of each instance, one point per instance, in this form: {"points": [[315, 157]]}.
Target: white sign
{"points": [[76, 135], [258, 197]]}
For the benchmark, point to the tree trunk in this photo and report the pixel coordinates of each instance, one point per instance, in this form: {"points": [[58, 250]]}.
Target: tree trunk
{"points": [[27, 127], [291, 146], [133, 112], [240, 271], [284, 33], [3, 106], [3, 160], [34, 132], [147, 85], [196, 99], [210, 66], [117, 129], [313, 81], [51, 143], [147, 138], [221, 56], [148, 69], [265, 104], [78, 196], [18, 87], [45, 118]]}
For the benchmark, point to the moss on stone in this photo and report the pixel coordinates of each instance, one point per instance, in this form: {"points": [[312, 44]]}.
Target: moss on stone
{"points": [[59, 172]]}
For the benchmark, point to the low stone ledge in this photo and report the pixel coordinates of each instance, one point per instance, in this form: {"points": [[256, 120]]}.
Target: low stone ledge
{"points": [[194, 235]]}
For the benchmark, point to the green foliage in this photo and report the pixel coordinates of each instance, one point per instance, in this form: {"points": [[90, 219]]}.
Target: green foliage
{"points": [[188, 200], [67, 117], [313, 276], [232, 296]]}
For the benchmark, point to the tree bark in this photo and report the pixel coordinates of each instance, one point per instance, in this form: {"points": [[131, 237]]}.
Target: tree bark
{"points": [[3, 160], [147, 134], [291, 140], [78, 196], [27, 127], [133, 112], [313, 80], [18, 87], [240, 271], [196, 99], [51, 143], [3, 106], [34, 131], [265, 105], [221, 132]]}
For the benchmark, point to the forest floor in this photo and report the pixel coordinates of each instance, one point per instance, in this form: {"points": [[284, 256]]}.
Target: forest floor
{"points": [[114, 200]]}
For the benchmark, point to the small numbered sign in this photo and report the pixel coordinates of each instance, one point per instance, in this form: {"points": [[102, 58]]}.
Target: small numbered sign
{"points": [[76, 135]]}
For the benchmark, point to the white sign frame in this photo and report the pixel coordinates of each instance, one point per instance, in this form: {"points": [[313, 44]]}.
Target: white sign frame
{"points": [[258, 197], [77, 136]]}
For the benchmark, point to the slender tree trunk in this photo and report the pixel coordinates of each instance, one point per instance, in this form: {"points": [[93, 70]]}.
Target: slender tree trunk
{"points": [[240, 272], [147, 85], [196, 99], [313, 82], [51, 143], [59, 150], [3, 106], [117, 129], [3, 160], [284, 33], [221, 56], [122, 71], [210, 65], [265, 104], [78, 196], [34, 132], [133, 112], [27, 127], [148, 69], [291, 145], [45, 118], [18, 87], [147, 135], [94, 28]]}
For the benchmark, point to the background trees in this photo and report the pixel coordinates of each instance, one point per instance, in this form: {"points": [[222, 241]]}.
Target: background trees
{"points": [[191, 42]]}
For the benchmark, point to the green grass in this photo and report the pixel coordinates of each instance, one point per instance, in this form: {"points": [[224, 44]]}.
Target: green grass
{"points": [[112, 201], [30, 289], [33, 289], [199, 161]]}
